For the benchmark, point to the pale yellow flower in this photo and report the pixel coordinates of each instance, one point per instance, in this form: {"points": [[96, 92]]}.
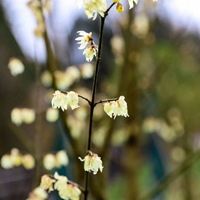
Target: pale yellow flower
{"points": [[90, 52], [84, 39], [49, 161], [61, 182], [52, 115], [59, 100], [87, 70], [92, 8], [28, 115], [6, 162], [92, 163], [15, 66], [73, 100], [73, 192], [16, 116], [47, 183], [28, 161], [116, 108], [61, 158], [16, 157]]}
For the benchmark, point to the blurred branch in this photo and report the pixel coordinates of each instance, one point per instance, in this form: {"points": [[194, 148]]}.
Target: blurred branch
{"points": [[163, 184]]}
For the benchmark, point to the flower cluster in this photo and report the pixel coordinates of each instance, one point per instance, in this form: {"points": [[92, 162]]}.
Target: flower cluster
{"points": [[51, 161], [86, 42], [61, 184], [92, 8], [61, 100], [15, 66], [22, 115], [116, 108], [92, 163], [15, 159]]}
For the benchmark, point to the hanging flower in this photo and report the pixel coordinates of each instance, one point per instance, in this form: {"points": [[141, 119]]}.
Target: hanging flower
{"points": [[15, 66], [47, 183], [73, 99], [92, 8], [90, 52], [92, 163], [116, 108], [59, 100], [85, 38]]}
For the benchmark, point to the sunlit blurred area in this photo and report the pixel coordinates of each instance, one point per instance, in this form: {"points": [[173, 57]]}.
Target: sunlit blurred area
{"points": [[150, 55]]}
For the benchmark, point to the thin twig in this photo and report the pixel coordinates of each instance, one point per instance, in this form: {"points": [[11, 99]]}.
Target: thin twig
{"points": [[105, 100]]}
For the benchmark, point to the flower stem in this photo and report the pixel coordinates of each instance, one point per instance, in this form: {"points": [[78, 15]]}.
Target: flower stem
{"points": [[94, 87], [92, 104]]}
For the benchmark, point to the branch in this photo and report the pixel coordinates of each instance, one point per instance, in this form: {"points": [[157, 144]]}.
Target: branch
{"points": [[105, 100]]}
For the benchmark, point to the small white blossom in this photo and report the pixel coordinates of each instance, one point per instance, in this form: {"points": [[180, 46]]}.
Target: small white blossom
{"points": [[90, 52], [16, 157], [49, 161], [28, 115], [16, 116], [61, 158], [59, 100], [92, 8], [6, 162], [52, 115], [116, 108], [28, 161], [73, 100], [47, 183], [84, 39], [87, 70], [61, 182], [73, 192], [92, 163], [16, 66]]}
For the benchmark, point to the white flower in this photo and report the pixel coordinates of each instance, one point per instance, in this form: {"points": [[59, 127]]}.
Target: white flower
{"points": [[73, 192], [16, 116], [16, 66], [16, 157], [73, 99], [51, 115], [122, 107], [59, 100], [61, 182], [85, 38], [93, 7], [87, 70], [116, 108], [90, 52], [27, 115], [47, 183], [6, 162], [92, 163], [61, 158], [28, 161], [49, 161]]}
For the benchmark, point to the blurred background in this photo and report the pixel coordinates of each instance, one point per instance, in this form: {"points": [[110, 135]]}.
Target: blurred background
{"points": [[150, 56]]}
